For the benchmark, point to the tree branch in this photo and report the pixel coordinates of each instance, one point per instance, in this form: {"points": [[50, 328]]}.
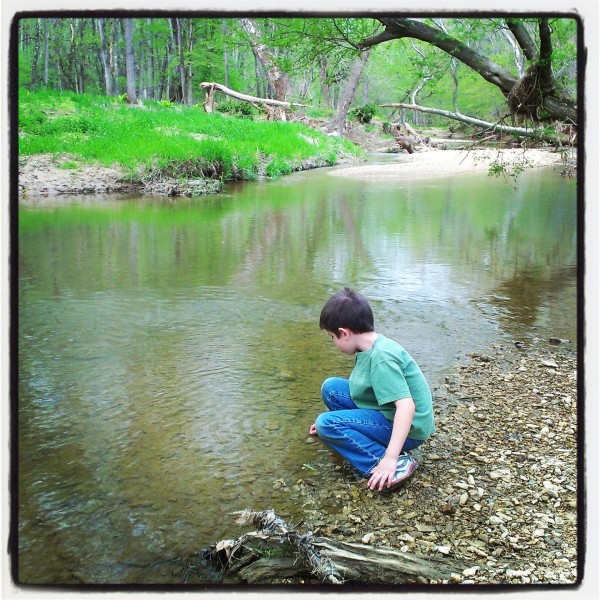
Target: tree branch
{"points": [[523, 38], [380, 38], [521, 131], [409, 28], [545, 60]]}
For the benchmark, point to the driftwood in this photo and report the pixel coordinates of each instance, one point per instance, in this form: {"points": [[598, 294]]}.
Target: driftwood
{"points": [[537, 133], [275, 552], [276, 109]]}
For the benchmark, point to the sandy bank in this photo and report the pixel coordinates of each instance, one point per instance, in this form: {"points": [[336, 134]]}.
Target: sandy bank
{"points": [[442, 163]]}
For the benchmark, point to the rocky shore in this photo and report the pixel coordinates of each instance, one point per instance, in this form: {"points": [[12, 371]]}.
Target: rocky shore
{"points": [[497, 483]]}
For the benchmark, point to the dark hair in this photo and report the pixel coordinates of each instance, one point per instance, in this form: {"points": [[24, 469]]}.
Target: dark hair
{"points": [[347, 309]]}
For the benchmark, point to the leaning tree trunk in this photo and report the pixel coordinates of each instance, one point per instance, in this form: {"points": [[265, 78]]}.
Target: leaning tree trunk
{"points": [[338, 123], [535, 95]]}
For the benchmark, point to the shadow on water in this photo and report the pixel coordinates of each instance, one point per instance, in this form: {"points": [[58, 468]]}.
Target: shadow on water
{"points": [[170, 359]]}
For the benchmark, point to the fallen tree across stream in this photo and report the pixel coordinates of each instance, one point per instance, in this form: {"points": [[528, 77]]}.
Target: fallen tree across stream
{"points": [[541, 134], [275, 552]]}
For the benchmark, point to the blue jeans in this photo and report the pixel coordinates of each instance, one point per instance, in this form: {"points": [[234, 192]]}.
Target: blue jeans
{"points": [[359, 435]]}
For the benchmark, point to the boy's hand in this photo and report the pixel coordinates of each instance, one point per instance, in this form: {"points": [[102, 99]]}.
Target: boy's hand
{"points": [[312, 430], [383, 473]]}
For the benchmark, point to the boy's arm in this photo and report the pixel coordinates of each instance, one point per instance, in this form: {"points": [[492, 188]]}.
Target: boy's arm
{"points": [[383, 473]]}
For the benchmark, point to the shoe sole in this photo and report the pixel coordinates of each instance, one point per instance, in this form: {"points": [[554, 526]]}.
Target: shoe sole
{"points": [[399, 482]]}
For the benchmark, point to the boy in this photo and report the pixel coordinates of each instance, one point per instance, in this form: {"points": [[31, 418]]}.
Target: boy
{"points": [[384, 409]]}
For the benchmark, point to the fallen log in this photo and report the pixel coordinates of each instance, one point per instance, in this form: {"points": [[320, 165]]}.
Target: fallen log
{"points": [[538, 133], [279, 106], [275, 552]]}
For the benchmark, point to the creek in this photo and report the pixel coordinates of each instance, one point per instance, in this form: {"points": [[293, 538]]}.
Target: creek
{"points": [[170, 358]]}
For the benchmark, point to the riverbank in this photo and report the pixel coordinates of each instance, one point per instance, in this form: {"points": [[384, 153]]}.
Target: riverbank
{"points": [[496, 489], [83, 144], [46, 175]]}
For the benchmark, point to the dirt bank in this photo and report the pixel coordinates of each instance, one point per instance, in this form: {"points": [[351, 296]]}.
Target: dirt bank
{"points": [[45, 175]]}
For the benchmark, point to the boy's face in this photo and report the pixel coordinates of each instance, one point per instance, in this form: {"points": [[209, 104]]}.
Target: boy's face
{"points": [[344, 342]]}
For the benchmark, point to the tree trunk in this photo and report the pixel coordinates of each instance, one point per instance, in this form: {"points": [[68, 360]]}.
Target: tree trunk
{"points": [[72, 68], [338, 123], [150, 88], [189, 77], [324, 84], [46, 52], [522, 37], [163, 89], [176, 25], [409, 28], [114, 56], [129, 61], [278, 79], [104, 58], [517, 52], [81, 62], [225, 54], [36, 53], [258, 74], [453, 71], [550, 104]]}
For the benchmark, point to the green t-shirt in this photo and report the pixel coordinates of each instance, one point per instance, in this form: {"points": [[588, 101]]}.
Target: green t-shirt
{"points": [[385, 373]]}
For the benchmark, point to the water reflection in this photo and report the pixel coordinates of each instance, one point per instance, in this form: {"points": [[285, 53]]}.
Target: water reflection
{"points": [[170, 359]]}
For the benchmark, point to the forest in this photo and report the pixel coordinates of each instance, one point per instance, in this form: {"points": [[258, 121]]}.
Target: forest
{"points": [[511, 71]]}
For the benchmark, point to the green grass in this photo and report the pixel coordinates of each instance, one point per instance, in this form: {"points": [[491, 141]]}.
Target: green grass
{"points": [[167, 140]]}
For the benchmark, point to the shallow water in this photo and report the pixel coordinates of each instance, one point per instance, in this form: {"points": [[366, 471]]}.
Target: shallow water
{"points": [[170, 358]]}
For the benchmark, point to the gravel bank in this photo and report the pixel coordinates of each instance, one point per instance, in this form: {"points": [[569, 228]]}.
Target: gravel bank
{"points": [[497, 484]]}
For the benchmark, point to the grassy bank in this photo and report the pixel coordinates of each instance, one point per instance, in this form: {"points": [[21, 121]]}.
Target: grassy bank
{"points": [[154, 141]]}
